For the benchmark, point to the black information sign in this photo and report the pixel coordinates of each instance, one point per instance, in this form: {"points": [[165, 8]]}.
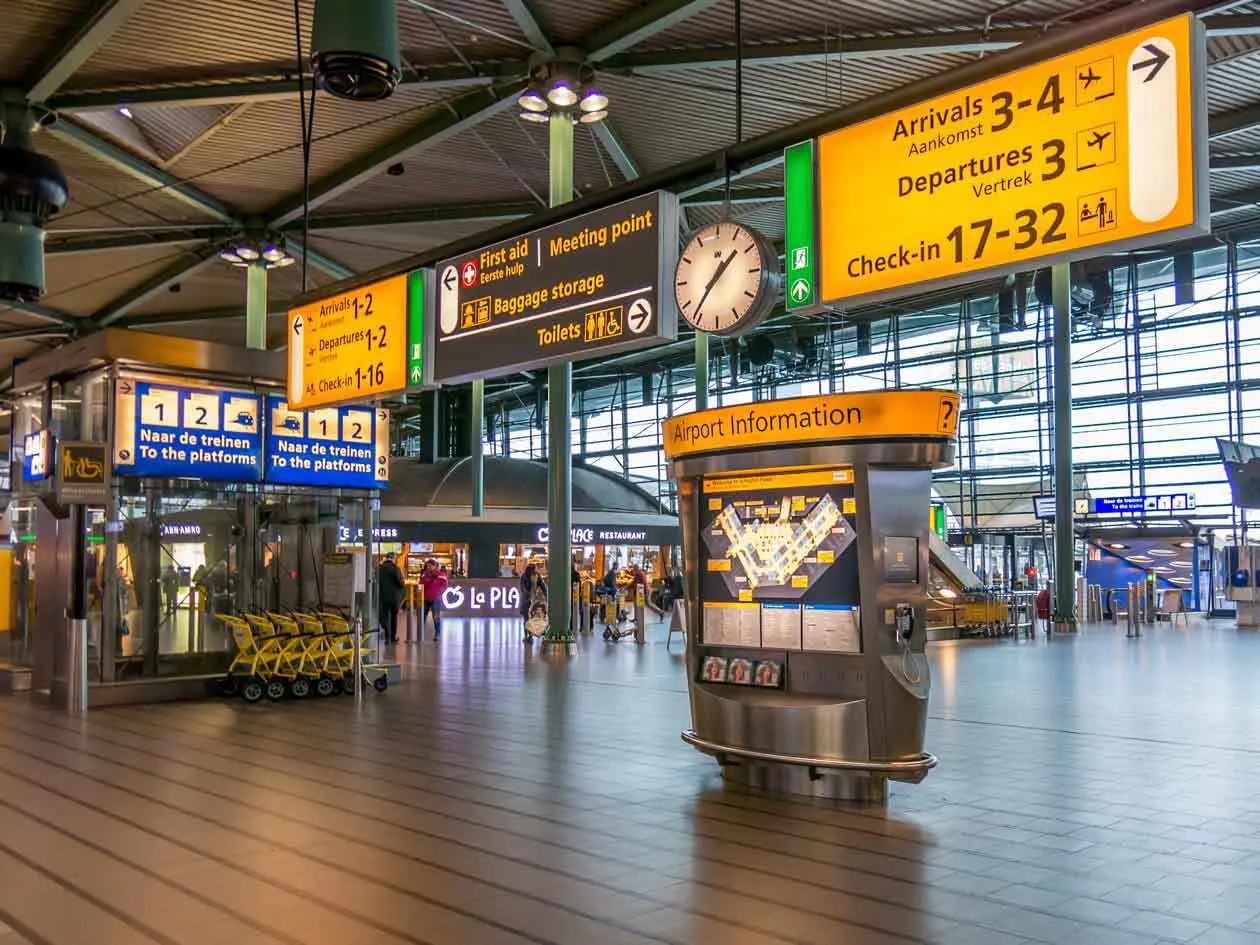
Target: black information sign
{"points": [[590, 286]]}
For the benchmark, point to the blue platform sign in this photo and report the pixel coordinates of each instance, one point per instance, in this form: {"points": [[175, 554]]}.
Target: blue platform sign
{"points": [[1163, 504], [177, 431], [333, 447], [37, 455]]}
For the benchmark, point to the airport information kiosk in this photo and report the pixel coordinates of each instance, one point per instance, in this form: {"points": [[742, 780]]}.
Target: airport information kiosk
{"points": [[805, 543]]}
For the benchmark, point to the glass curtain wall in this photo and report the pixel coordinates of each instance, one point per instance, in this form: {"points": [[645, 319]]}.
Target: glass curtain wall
{"points": [[1161, 368]]}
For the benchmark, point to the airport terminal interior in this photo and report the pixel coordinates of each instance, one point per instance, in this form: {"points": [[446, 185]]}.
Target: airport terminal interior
{"points": [[658, 473]]}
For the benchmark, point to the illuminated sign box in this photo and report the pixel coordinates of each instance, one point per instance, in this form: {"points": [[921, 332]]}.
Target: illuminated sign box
{"points": [[36, 456], [1104, 147], [346, 447], [599, 283], [356, 345], [179, 431]]}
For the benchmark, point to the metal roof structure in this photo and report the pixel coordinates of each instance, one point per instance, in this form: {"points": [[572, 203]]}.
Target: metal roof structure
{"points": [[211, 139]]}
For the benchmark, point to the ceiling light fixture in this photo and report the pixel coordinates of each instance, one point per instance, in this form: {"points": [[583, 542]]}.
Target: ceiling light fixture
{"points": [[1163, 552], [563, 86], [1185, 544], [125, 112], [247, 251], [1118, 546]]}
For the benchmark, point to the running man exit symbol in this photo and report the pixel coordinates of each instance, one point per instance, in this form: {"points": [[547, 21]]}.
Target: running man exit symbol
{"points": [[800, 257]]}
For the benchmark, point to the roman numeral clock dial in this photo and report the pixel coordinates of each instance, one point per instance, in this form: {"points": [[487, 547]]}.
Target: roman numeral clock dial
{"points": [[727, 279]]}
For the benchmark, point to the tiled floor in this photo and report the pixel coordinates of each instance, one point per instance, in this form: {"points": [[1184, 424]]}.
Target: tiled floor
{"points": [[1093, 790]]}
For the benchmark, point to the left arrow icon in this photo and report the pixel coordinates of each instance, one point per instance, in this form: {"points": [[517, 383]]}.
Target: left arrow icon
{"points": [[449, 277], [297, 325]]}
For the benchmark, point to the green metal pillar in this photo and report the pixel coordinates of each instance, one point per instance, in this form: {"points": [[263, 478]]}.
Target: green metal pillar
{"points": [[477, 421], [1064, 525], [702, 371], [256, 306], [559, 423]]}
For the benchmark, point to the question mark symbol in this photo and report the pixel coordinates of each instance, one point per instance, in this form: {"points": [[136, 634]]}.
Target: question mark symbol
{"points": [[947, 415]]}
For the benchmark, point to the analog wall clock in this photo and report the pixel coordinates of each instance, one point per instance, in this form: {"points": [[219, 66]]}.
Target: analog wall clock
{"points": [[727, 279]]}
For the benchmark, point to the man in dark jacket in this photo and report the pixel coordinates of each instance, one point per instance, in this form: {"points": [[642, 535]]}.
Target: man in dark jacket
{"points": [[391, 590]]}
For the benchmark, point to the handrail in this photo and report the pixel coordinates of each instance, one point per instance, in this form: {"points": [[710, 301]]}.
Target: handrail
{"points": [[923, 762]]}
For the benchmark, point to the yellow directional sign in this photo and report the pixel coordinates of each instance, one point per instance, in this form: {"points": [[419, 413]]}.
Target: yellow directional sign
{"points": [[352, 346], [1101, 146], [827, 418]]}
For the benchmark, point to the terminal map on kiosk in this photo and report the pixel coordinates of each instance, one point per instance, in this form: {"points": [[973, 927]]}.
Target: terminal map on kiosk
{"points": [[779, 561]]}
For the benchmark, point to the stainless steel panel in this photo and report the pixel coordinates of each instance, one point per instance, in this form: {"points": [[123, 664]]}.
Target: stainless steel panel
{"points": [[783, 723], [152, 352]]}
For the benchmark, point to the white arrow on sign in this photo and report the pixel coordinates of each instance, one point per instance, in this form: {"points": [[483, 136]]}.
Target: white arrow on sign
{"points": [[800, 290], [295, 361], [639, 316], [448, 304]]}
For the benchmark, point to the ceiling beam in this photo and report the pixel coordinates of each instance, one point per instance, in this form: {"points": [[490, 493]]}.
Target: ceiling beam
{"points": [[522, 11], [640, 23], [272, 87], [158, 180], [180, 318], [617, 149], [325, 264], [425, 213], [184, 267], [438, 125], [1232, 122], [1237, 202], [1224, 163], [41, 311], [137, 240], [942, 42], [95, 30], [34, 334]]}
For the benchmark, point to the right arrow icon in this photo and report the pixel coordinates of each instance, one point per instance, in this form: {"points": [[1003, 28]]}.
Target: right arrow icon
{"points": [[1155, 63]]}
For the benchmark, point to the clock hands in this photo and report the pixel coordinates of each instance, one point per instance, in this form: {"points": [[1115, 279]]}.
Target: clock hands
{"points": [[714, 281]]}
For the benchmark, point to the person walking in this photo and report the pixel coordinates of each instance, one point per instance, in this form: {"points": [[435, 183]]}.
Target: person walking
{"points": [[390, 590], [533, 591], [433, 581]]}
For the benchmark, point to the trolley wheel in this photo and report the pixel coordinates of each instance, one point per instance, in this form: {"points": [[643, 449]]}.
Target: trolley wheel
{"points": [[608, 635], [300, 688], [348, 685], [252, 690], [228, 686], [275, 690], [339, 685], [380, 683], [325, 686]]}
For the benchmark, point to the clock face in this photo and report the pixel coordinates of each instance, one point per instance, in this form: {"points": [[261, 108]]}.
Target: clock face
{"points": [[726, 280]]}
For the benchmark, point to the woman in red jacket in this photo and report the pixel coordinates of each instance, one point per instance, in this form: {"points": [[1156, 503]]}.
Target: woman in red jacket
{"points": [[433, 581]]}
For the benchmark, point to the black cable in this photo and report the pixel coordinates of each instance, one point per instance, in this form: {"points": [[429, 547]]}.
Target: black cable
{"points": [[305, 127]]}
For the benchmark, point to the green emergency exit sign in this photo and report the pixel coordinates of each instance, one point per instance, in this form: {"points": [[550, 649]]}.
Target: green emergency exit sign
{"points": [[799, 197]]}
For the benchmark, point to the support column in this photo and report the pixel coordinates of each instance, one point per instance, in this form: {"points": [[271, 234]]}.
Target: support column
{"points": [[1064, 524], [702, 370], [477, 409], [559, 422], [256, 306]]}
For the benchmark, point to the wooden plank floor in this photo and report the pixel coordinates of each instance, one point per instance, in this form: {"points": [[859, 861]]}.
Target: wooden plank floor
{"points": [[1092, 790]]}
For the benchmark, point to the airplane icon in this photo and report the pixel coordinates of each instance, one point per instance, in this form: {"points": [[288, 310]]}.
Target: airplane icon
{"points": [[1089, 77], [1096, 140]]}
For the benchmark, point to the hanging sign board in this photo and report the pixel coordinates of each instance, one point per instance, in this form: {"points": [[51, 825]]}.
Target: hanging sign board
{"points": [[599, 283], [179, 431], [346, 447], [36, 456], [828, 418], [82, 473], [1102, 148], [351, 346]]}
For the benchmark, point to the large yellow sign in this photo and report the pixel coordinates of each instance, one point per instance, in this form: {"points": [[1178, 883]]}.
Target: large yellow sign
{"points": [[829, 418], [1100, 146], [349, 347]]}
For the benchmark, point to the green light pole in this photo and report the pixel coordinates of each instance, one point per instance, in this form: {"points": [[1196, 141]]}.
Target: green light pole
{"points": [[560, 421], [702, 370], [256, 305]]}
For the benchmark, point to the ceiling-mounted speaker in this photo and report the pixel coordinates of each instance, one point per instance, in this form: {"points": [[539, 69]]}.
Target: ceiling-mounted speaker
{"points": [[32, 188], [354, 48]]}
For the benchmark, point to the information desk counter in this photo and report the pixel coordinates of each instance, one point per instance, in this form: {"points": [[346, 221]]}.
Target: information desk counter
{"points": [[806, 564]]}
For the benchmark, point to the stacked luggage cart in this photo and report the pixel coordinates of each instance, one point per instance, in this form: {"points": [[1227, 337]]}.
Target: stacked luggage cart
{"points": [[297, 654]]}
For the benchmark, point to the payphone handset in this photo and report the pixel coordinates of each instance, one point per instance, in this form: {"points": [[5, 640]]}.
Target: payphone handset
{"points": [[904, 623]]}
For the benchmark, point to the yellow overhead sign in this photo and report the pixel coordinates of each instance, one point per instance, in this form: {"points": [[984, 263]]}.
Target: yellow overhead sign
{"points": [[1102, 146], [828, 418], [352, 346]]}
